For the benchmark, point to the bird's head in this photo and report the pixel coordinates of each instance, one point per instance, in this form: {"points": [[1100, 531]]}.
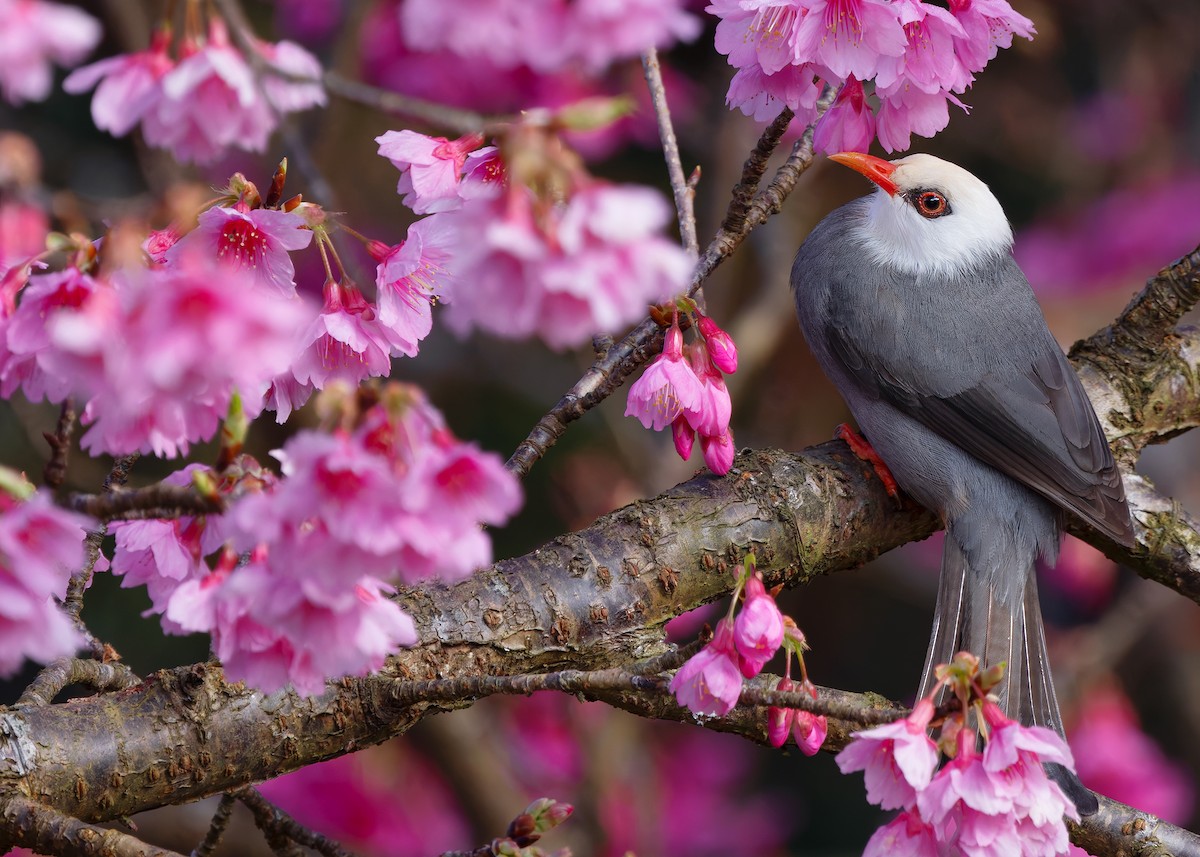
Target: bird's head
{"points": [[928, 216]]}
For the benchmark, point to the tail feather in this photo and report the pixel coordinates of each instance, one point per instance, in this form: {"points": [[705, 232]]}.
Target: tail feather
{"points": [[1000, 624]]}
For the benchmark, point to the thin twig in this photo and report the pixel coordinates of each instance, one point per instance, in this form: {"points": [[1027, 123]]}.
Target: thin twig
{"points": [[216, 829], [438, 115], [154, 501], [45, 830], [58, 674], [279, 826], [684, 194], [55, 472]]}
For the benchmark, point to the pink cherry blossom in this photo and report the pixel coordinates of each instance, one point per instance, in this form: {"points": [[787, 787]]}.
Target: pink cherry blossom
{"points": [[127, 86], [210, 102], [760, 35], [565, 272], [41, 545], [762, 96], [907, 835], [849, 37], [410, 276], [1116, 758], [848, 125], [758, 628], [709, 683], [161, 368], [721, 348], [897, 759], [779, 720], [159, 241], [297, 86], [23, 229], [929, 61], [346, 341], [668, 385], [988, 25], [26, 358], [430, 167], [256, 241], [35, 35], [602, 33], [912, 111], [810, 731], [718, 452], [270, 632]]}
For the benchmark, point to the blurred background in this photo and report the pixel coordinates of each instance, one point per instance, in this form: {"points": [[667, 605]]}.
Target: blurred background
{"points": [[1089, 136]]}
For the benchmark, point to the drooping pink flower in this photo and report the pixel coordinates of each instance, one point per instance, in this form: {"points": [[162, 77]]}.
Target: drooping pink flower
{"points": [[721, 348], [897, 759], [210, 102], [711, 413], [758, 628], [256, 241], [666, 388], [430, 167], [719, 452], [41, 545], [603, 33], [906, 835], [810, 731], [35, 35], [709, 683], [1116, 758], [849, 37], [346, 342], [779, 720], [127, 86], [848, 125], [929, 61], [911, 111], [762, 96], [988, 25], [410, 276], [297, 86]]}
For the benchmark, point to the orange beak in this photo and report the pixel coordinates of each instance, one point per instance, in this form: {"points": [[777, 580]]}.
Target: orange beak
{"points": [[876, 169]]}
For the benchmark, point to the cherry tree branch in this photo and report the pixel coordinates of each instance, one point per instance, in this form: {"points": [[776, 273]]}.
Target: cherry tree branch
{"points": [[55, 471], [45, 830]]}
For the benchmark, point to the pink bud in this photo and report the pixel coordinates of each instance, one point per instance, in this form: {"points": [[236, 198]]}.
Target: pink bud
{"points": [[779, 720], [673, 343], [810, 731], [380, 251], [718, 452], [721, 348], [683, 436]]}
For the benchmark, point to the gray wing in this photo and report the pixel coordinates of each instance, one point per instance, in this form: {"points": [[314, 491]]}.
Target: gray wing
{"points": [[1020, 409]]}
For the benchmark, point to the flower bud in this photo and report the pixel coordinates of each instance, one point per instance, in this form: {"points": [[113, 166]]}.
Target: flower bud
{"points": [[721, 348]]}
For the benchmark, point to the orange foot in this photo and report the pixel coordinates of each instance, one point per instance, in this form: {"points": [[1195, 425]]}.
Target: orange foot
{"points": [[862, 448]]}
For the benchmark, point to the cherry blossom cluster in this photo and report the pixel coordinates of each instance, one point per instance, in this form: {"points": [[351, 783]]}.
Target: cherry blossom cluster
{"points": [[684, 388], [917, 56], [583, 260], [37, 35], [198, 96], [292, 581], [158, 352], [41, 546], [995, 801], [710, 682]]}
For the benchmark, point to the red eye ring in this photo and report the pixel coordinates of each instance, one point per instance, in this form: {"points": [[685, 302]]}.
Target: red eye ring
{"points": [[930, 204]]}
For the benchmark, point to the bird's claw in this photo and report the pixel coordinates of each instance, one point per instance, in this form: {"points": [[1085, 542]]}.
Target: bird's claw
{"points": [[862, 448]]}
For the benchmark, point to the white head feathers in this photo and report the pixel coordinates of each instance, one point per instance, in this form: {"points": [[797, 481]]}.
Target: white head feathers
{"points": [[938, 219]]}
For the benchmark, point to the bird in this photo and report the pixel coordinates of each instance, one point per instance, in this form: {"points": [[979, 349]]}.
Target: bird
{"points": [[914, 307]]}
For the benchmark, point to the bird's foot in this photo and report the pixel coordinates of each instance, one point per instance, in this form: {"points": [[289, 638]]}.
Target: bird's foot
{"points": [[862, 448]]}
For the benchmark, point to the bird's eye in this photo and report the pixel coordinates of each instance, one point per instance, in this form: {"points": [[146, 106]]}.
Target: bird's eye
{"points": [[931, 204]]}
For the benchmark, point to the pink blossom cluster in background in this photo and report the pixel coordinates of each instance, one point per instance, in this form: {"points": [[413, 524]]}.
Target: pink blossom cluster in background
{"points": [[513, 264], [979, 804], [497, 80], [398, 499], [41, 546], [204, 99], [917, 57], [684, 388], [36, 36]]}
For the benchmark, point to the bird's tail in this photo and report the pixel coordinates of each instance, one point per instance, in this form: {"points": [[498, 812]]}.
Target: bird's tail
{"points": [[1000, 622]]}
